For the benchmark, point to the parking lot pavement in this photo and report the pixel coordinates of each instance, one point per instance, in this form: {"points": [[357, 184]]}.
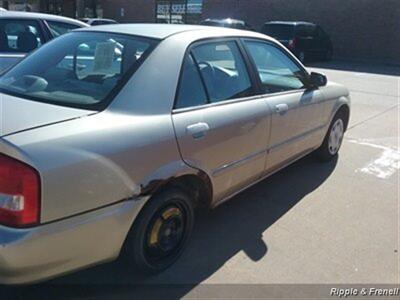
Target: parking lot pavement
{"points": [[310, 223]]}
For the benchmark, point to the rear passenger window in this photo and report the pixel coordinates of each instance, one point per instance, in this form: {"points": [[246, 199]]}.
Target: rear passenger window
{"points": [[277, 72], [191, 90], [21, 36], [223, 70]]}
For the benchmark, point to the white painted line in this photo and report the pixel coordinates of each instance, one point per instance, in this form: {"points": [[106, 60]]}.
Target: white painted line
{"points": [[385, 165]]}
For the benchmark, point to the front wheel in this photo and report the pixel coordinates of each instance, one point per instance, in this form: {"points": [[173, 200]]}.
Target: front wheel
{"points": [[333, 139], [161, 231]]}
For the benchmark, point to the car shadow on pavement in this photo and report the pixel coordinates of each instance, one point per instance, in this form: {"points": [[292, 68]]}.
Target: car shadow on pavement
{"points": [[365, 67], [219, 235]]}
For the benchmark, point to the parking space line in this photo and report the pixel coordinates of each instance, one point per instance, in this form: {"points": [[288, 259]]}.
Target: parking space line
{"points": [[385, 165]]}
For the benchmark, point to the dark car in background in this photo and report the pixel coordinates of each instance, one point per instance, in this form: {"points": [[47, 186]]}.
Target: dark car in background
{"points": [[228, 22], [23, 32], [98, 21], [306, 40]]}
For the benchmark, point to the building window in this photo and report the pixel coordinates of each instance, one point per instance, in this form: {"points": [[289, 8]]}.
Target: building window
{"points": [[21, 5], [179, 11]]}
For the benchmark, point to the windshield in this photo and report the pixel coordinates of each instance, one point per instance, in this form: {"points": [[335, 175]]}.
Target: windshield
{"points": [[79, 69], [279, 31]]}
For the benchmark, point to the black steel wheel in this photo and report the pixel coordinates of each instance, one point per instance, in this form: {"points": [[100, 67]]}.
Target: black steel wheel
{"points": [[161, 231]]}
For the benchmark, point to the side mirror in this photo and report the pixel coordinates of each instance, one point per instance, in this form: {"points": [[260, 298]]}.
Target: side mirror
{"points": [[318, 79]]}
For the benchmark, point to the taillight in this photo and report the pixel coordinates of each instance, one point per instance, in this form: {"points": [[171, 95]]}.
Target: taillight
{"points": [[292, 43], [19, 193]]}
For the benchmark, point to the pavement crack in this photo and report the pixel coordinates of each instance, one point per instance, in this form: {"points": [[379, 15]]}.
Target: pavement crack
{"points": [[373, 93], [372, 117]]}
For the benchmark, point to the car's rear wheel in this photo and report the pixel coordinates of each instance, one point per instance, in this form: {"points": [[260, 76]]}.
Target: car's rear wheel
{"points": [[333, 139], [161, 231]]}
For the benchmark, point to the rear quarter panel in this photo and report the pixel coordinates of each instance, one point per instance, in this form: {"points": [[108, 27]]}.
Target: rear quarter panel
{"points": [[98, 160]]}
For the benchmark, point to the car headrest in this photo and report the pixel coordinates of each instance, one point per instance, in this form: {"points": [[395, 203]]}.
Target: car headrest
{"points": [[128, 57], [3, 41], [26, 42]]}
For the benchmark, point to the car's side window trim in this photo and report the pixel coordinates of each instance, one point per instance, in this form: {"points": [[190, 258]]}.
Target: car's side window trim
{"points": [[221, 103], [47, 27], [203, 83], [45, 31], [253, 82], [250, 66], [254, 67]]}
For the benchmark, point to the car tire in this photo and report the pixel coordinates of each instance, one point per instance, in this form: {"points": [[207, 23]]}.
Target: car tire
{"points": [[333, 139], [161, 231]]}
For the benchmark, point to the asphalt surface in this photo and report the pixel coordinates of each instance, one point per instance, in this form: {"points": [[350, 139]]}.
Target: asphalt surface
{"points": [[311, 223]]}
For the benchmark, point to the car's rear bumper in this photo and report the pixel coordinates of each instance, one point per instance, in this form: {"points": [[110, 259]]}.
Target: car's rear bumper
{"points": [[35, 254]]}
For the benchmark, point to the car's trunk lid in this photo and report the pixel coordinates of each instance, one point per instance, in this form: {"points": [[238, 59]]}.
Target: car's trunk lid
{"points": [[18, 114]]}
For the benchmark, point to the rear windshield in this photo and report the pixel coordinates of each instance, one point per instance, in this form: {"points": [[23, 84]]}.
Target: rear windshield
{"points": [[279, 31], [79, 69]]}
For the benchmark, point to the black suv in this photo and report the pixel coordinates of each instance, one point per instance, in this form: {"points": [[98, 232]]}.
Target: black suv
{"points": [[304, 39], [230, 23]]}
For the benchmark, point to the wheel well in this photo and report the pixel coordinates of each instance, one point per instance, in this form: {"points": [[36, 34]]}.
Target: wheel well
{"points": [[198, 187], [345, 111]]}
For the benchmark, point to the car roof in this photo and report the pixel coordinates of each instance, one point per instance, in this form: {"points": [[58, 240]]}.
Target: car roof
{"points": [[30, 15], [162, 31], [293, 23]]}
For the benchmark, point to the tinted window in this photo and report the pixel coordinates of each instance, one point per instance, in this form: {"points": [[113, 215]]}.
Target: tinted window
{"points": [[223, 70], [78, 69], [191, 90], [276, 70], [301, 31], [212, 23], [305, 30], [238, 25], [59, 28], [279, 31], [21, 36], [102, 22]]}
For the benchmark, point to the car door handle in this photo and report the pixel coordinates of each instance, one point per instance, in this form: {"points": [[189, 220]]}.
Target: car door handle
{"points": [[281, 108], [198, 130]]}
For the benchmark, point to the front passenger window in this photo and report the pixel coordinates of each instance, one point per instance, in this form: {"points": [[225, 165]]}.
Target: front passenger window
{"points": [[277, 72], [223, 70]]}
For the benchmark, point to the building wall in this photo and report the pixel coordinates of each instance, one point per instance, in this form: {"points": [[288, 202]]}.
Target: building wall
{"points": [[360, 29], [132, 10]]}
